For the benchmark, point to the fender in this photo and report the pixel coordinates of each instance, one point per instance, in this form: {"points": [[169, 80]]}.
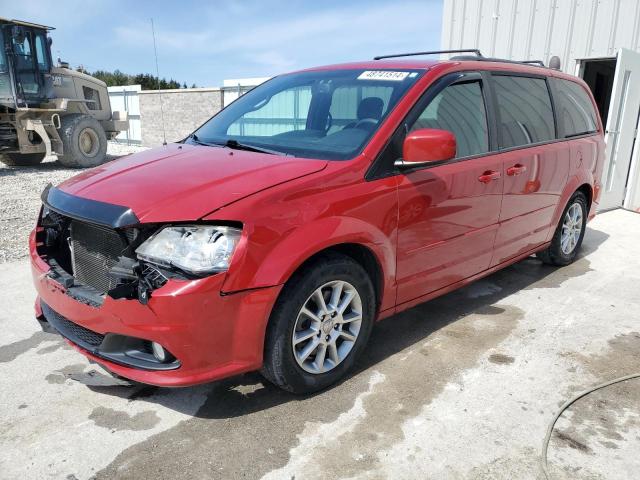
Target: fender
{"points": [[286, 225], [258, 265]]}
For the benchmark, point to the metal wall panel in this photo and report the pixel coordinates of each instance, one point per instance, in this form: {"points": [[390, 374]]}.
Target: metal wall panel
{"points": [[540, 29], [504, 35], [522, 26]]}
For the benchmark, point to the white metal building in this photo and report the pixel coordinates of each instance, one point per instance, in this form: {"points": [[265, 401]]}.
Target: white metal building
{"points": [[125, 99], [598, 40], [235, 87]]}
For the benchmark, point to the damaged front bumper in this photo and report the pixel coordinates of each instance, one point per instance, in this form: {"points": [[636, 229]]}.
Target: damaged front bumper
{"points": [[210, 334]]}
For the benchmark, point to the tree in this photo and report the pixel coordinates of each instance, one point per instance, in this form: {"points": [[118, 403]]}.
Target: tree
{"points": [[145, 80]]}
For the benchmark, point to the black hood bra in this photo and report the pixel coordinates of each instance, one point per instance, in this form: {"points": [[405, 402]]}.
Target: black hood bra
{"points": [[93, 211]]}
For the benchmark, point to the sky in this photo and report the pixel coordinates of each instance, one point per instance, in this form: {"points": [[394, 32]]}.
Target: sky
{"points": [[205, 42]]}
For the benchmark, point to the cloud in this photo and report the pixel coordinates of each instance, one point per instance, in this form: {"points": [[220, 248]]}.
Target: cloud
{"points": [[320, 30], [140, 36], [66, 16], [272, 59], [204, 42]]}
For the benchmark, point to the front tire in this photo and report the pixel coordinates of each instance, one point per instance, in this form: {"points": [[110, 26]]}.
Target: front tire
{"points": [[21, 159], [569, 233], [320, 324], [84, 141]]}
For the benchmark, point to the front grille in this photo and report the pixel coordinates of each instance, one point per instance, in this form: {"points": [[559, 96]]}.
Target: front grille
{"points": [[77, 334], [94, 251]]}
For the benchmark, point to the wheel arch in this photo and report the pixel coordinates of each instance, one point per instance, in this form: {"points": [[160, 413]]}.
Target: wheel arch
{"points": [[359, 253], [578, 183], [587, 189]]}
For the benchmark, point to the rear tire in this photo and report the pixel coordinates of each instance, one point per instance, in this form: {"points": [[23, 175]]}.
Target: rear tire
{"points": [[569, 233], [84, 141], [338, 332], [21, 159]]}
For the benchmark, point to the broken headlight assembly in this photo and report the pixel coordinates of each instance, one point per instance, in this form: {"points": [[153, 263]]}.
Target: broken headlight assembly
{"points": [[193, 249]]}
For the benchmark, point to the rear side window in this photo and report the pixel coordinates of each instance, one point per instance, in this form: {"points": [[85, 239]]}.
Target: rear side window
{"points": [[525, 112], [576, 115]]}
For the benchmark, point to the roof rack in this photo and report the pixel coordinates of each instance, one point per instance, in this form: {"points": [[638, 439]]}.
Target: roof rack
{"points": [[478, 57], [539, 63], [534, 62], [433, 52]]}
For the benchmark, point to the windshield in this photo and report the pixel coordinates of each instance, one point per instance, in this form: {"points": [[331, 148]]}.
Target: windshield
{"points": [[328, 114]]}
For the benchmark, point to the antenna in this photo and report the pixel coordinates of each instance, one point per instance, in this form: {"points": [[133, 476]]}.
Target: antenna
{"points": [[155, 51], [555, 63]]}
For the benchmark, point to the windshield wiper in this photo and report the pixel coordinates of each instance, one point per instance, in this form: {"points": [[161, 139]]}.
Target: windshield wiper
{"points": [[234, 144]]}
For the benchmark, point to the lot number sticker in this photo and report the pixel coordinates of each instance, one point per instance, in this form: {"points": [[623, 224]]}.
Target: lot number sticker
{"points": [[383, 75]]}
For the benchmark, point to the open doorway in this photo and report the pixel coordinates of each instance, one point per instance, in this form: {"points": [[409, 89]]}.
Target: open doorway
{"points": [[613, 82], [599, 75]]}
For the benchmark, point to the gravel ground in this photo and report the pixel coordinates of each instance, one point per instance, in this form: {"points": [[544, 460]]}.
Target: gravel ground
{"points": [[20, 189]]}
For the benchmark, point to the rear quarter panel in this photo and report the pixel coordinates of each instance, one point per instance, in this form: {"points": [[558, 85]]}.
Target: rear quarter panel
{"points": [[587, 160]]}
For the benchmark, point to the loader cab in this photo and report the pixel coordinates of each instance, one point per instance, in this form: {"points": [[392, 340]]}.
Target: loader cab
{"points": [[25, 64]]}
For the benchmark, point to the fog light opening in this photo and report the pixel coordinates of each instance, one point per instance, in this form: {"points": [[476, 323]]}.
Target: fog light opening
{"points": [[159, 352]]}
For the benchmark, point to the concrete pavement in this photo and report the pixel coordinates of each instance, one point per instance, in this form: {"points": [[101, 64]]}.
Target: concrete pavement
{"points": [[461, 387]]}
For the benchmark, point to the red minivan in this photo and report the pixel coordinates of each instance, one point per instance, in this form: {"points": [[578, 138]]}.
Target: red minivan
{"points": [[275, 235]]}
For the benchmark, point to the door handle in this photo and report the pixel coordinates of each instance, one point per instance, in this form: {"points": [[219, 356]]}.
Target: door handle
{"points": [[489, 175], [517, 169]]}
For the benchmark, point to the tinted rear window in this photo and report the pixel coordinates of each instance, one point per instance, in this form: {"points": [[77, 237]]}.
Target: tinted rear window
{"points": [[525, 110], [576, 115]]}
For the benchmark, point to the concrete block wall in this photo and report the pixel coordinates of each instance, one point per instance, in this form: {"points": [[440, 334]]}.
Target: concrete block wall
{"points": [[184, 111]]}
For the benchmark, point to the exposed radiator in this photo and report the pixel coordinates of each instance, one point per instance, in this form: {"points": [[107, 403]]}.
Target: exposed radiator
{"points": [[94, 251]]}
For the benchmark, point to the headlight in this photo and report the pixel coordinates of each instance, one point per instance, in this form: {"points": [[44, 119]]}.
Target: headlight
{"points": [[197, 249]]}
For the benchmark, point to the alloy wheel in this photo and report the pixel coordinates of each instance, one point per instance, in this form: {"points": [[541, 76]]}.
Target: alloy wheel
{"points": [[327, 327], [571, 228]]}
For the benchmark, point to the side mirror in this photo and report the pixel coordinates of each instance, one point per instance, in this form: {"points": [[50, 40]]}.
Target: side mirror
{"points": [[427, 145]]}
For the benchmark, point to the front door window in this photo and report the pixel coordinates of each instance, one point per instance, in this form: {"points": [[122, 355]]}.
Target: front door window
{"points": [[28, 84], [459, 109]]}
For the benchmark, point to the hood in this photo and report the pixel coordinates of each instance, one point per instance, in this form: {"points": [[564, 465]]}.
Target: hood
{"points": [[185, 182]]}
